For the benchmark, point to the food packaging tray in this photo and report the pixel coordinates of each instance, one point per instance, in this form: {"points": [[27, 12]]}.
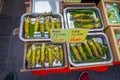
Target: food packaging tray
{"points": [[107, 58], [58, 65], [101, 6], [69, 23], [32, 17], [39, 6]]}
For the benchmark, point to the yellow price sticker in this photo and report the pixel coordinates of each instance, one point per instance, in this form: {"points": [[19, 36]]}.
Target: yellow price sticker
{"points": [[59, 35], [68, 35], [78, 35]]}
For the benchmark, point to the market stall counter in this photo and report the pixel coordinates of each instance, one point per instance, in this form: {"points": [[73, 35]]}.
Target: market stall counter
{"points": [[42, 56]]}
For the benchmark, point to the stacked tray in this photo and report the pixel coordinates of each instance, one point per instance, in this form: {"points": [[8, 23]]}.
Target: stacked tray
{"points": [[38, 6], [83, 17], [36, 26], [46, 55], [41, 54], [94, 51]]}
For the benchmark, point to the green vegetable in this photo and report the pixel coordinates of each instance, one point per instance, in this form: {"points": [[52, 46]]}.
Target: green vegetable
{"points": [[82, 11], [97, 45], [104, 49], [86, 46], [57, 54], [50, 57], [26, 26], [87, 25], [42, 29], [57, 23], [75, 52], [42, 59], [74, 59], [80, 49], [61, 54], [46, 54], [31, 31], [38, 55], [33, 55], [96, 20], [93, 48], [36, 25], [89, 49], [82, 15], [28, 57]]}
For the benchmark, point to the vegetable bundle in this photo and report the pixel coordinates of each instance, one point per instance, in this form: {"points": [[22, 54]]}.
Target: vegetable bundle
{"points": [[39, 26], [85, 19], [89, 51], [44, 55]]}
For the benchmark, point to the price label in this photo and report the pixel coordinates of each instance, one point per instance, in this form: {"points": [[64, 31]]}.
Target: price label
{"points": [[59, 35], [71, 35], [77, 35]]}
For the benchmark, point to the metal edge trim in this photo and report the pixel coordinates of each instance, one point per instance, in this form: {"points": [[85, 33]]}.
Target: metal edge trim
{"points": [[21, 27], [32, 3], [91, 30], [94, 63], [48, 68]]}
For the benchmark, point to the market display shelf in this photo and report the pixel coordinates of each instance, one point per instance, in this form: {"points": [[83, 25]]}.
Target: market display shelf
{"points": [[69, 67], [44, 56], [86, 47]]}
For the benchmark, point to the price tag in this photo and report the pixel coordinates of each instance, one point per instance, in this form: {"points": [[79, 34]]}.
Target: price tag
{"points": [[77, 35], [59, 35], [72, 0], [71, 35]]}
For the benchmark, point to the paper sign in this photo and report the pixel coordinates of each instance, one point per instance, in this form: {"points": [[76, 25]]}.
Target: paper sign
{"points": [[77, 35], [59, 35], [68, 35], [72, 0]]}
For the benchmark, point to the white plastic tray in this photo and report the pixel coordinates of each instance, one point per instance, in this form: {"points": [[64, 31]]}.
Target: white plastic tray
{"points": [[39, 6]]}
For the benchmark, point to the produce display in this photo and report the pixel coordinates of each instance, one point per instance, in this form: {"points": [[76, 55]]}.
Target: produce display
{"points": [[81, 17], [45, 55], [89, 51], [93, 51], [39, 26], [113, 13], [85, 19]]}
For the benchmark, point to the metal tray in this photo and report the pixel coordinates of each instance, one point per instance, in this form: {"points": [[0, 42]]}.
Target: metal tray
{"points": [[32, 16], [46, 66], [108, 57], [39, 6], [69, 22]]}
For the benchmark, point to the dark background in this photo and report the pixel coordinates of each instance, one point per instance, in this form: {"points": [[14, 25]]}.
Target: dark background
{"points": [[11, 48]]}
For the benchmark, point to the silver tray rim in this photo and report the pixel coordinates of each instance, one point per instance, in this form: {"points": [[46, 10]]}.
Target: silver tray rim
{"points": [[91, 7], [47, 68], [92, 63], [40, 39], [32, 5]]}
